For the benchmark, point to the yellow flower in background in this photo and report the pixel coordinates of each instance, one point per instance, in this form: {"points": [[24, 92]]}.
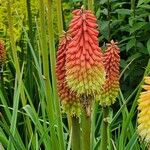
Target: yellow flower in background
{"points": [[144, 112]]}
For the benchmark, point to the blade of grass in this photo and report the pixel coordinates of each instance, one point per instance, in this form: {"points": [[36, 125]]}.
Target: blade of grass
{"points": [[49, 96], [94, 112], [17, 91], [53, 74], [14, 140], [34, 117], [104, 129], [70, 137], [131, 113], [16, 60], [132, 141], [3, 138], [125, 114], [8, 114]]}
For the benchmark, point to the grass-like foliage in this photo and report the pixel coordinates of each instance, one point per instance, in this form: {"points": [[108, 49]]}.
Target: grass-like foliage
{"points": [[62, 87]]}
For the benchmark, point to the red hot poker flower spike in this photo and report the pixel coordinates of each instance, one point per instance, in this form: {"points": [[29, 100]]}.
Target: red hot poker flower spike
{"points": [[111, 86], [2, 53], [69, 100], [85, 72]]}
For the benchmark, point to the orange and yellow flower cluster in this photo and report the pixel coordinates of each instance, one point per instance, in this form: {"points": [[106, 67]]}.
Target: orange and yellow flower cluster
{"points": [[85, 72], [82, 69], [110, 89], [70, 100]]}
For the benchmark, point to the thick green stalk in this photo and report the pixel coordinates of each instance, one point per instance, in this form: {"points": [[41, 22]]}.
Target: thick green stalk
{"points": [[75, 134], [108, 18], [53, 74], [85, 3], [104, 129], [46, 68], [91, 5], [86, 130], [59, 17]]}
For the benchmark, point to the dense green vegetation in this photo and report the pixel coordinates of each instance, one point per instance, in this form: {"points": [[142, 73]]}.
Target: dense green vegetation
{"points": [[30, 112]]}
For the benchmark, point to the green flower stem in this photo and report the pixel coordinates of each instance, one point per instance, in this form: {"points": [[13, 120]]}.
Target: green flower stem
{"points": [[85, 3], [109, 18], [104, 129], [86, 130], [53, 74], [59, 16], [91, 5], [75, 134]]}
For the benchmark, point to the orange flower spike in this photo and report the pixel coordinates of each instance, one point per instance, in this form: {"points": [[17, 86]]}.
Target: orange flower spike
{"points": [[85, 72], [69, 100], [2, 53], [111, 86], [144, 112]]}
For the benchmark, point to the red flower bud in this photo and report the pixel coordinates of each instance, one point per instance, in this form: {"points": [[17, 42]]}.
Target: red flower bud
{"points": [[111, 86], [2, 53]]}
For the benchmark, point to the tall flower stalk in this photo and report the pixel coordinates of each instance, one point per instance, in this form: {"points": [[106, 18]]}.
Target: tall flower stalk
{"points": [[69, 100], [110, 89], [84, 68], [91, 5], [59, 16], [85, 72]]}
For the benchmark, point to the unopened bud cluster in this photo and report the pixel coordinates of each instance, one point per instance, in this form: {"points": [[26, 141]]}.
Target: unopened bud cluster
{"points": [[2, 53]]}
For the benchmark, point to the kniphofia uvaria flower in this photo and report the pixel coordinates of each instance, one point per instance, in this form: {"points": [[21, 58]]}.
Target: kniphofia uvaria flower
{"points": [[69, 99], [85, 72], [110, 89]]}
